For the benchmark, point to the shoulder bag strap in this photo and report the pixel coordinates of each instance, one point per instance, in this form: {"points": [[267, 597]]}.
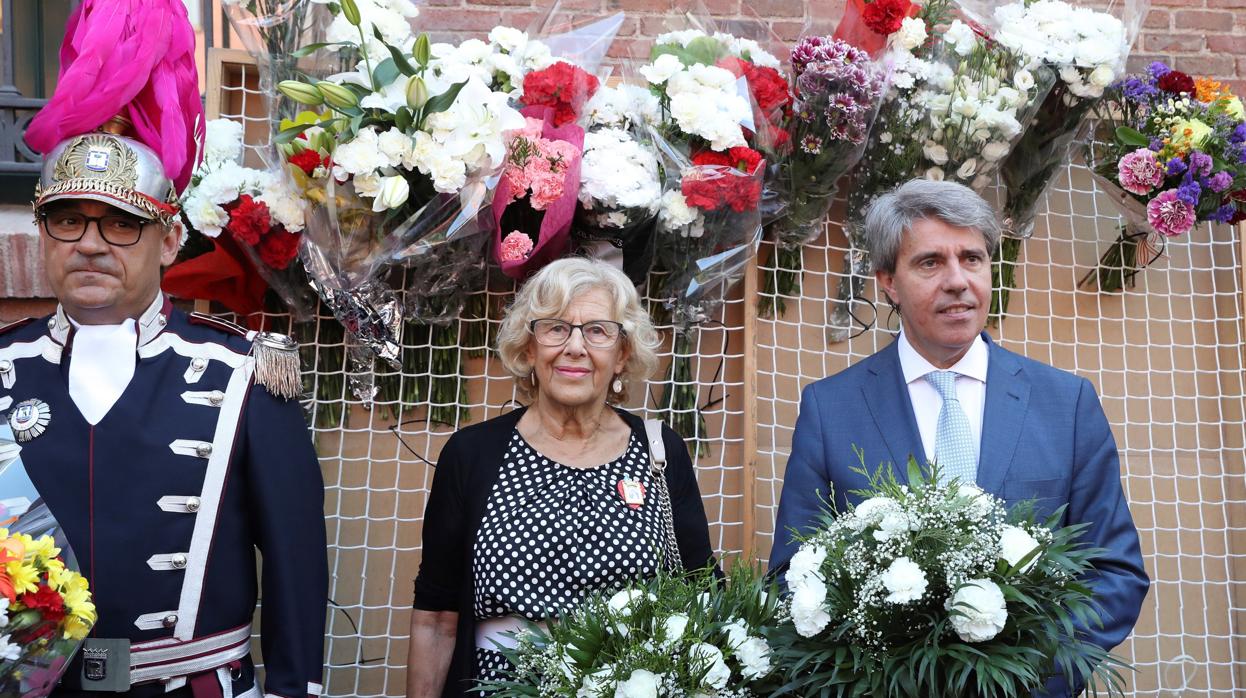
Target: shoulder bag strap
{"points": [[657, 460]]}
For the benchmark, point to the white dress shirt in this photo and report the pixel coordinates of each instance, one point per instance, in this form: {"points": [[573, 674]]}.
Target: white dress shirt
{"points": [[970, 389]]}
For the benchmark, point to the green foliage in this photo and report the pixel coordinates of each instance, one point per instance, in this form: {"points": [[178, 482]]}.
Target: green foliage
{"points": [[896, 649]]}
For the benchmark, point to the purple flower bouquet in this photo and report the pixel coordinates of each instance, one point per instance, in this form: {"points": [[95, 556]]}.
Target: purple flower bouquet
{"points": [[1171, 151]]}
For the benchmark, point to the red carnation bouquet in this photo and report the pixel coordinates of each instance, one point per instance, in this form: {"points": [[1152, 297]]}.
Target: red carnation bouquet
{"points": [[252, 221], [563, 87], [867, 24]]}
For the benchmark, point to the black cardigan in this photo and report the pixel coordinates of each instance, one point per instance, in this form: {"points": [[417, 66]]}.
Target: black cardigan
{"points": [[465, 475]]}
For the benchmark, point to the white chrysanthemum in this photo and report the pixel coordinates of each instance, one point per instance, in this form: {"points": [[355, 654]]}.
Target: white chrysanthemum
{"points": [[621, 106], [285, 205], [616, 171], [596, 684], [808, 607], [662, 69], [679, 38], [912, 33], [9, 650], [961, 38], [806, 563], [641, 684], [982, 612], [222, 142], [398, 148], [1014, 544], [892, 525], [872, 510], [752, 652], [676, 215], [904, 580], [205, 216], [673, 629], [508, 39], [707, 655], [359, 156]]}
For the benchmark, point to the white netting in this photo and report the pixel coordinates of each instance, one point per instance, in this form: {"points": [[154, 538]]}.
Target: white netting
{"points": [[1165, 356]]}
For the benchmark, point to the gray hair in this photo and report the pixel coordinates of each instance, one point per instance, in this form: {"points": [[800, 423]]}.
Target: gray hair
{"points": [[550, 291], [894, 213]]}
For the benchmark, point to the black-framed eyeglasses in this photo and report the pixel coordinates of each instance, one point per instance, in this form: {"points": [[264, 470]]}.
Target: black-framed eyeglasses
{"points": [[70, 226], [599, 334]]}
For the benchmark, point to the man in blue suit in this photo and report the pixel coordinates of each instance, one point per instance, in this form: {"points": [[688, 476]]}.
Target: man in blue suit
{"points": [[943, 391]]}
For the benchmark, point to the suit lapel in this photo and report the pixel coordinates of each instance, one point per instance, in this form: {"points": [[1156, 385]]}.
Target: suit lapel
{"points": [[1003, 418], [887, 398]]}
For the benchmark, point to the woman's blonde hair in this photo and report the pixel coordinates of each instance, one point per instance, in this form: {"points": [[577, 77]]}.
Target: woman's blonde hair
{"points": [[550, 292]]}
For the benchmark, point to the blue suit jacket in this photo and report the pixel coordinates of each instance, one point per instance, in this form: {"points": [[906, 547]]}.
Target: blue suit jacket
{"points": [[1044, 436]]}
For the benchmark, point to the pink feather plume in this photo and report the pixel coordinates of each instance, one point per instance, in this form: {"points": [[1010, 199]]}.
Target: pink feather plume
{"points": [[135, 58]]}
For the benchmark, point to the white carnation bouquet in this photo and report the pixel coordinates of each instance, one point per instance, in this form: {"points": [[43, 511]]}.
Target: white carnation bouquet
{"points": [[1086, 49], [691, 635], [936, 590]]}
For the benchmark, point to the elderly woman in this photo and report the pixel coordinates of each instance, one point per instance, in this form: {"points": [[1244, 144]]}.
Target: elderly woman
{"points": [[532, 510]]}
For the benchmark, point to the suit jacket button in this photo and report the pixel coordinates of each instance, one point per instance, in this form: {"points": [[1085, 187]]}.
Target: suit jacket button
{"points": [[203, 450], [192, 504], [179, 560], [169, 621]]}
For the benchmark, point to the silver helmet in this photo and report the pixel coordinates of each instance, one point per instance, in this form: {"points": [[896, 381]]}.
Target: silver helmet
{"points": [[109, 168]]}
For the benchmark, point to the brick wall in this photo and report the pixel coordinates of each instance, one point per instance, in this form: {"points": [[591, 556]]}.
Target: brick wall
{"points": [[1206, 37]]}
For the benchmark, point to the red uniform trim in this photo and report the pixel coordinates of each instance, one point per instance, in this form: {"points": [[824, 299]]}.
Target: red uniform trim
{"points": [[16, 324]]}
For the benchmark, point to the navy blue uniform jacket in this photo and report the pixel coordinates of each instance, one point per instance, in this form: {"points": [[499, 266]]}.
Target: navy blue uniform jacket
{"points": [[166, 500]]}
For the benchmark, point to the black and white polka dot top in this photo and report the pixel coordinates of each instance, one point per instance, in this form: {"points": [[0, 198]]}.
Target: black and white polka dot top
{"points": [[552, 533]]}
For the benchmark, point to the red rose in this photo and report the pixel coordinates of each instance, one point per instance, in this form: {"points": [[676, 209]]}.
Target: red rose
{"points": [[563, 87], [884, 16], [279, 248], [47, 602], [248, 220], [307, 161], [1176, 82]]}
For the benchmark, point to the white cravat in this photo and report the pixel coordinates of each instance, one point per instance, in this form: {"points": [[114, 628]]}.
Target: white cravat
{"points": [[970, 389], [102, 365]]}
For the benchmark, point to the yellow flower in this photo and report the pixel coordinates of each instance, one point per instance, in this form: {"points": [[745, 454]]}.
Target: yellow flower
{"points": [[1233, 107], [24, 576], [78, 628], [44, 549], [1188, 134]]}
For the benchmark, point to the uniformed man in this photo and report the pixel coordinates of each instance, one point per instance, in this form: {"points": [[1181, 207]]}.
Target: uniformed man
{"points": [[169, 446]]}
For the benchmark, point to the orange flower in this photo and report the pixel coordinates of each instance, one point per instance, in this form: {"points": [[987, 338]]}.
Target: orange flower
{"points": [[11, 550], [1208, 90], [6, 587]]}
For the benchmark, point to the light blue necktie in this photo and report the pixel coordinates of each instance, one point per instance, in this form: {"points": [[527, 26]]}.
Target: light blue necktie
{"points": [[955, 451]]}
